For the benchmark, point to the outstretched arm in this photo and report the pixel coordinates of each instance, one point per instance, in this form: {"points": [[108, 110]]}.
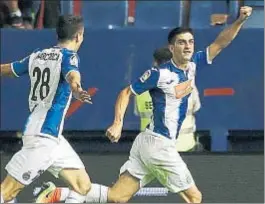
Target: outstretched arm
{"points": [[15, 69], [228, 35], [114, 131]]}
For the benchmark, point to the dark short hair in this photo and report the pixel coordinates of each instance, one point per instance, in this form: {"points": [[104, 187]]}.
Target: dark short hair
{"points": [[162, 55], [176, 31], [68, 26]]}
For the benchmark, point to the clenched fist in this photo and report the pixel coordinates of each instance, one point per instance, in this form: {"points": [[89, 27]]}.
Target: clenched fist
{"points": [[245, 12], [114, 132]]}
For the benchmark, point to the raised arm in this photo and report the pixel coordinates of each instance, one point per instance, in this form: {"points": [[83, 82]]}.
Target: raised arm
{"points": [[228, 34], [114, 131]]}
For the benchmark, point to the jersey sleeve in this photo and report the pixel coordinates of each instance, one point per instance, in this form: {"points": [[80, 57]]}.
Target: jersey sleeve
{"points": [[201, 58], [20, 67], [70, 62], [147, 81]]}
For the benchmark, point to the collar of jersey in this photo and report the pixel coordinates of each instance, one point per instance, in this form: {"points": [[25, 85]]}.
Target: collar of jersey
{"points": [[63, 48], [175, 68]]}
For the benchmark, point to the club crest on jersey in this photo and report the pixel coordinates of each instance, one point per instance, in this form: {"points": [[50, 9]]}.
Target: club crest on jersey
{"points": [[145, 76], [74, 61], [26, 176]]}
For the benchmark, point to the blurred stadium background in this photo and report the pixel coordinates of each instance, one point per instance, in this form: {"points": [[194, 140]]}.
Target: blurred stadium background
{"points": [[119, 41]]}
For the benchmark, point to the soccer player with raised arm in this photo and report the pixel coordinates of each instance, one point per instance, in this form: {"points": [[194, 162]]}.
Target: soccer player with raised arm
{"points": [[153, 154]]}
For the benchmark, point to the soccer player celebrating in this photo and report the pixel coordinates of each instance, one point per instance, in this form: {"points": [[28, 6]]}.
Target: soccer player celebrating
{"points": [[54, 76]]}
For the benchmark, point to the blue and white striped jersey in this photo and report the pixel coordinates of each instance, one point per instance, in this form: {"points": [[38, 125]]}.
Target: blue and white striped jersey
{"points": [[50, 94], [168, 111]]}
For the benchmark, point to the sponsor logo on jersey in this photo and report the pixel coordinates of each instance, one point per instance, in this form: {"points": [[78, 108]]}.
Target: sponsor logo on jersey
{"points": [[145, 76], [74, 61]]}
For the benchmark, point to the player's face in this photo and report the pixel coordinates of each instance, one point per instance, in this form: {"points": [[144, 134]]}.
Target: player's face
{"points": [[183, 48]]}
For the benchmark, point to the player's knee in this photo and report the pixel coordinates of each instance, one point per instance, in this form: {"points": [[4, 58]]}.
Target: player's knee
{"points": [[196, 197], [78, 180], [85, 188], [82, 187]]}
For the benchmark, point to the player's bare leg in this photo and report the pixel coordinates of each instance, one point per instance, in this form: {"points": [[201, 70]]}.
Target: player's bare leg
{"points": [[122, 191], [78, 182], [191, 195], [125, 187], [79, 185], [10, 188]]}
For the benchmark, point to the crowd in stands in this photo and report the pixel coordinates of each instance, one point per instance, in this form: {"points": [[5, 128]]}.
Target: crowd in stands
{"points": [[26, 14]]}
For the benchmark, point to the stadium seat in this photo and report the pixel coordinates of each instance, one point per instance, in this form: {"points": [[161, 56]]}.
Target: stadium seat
{"points": [[101, 14], [201, 12], [153, 14]]}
